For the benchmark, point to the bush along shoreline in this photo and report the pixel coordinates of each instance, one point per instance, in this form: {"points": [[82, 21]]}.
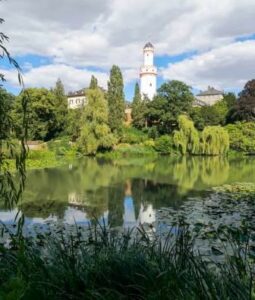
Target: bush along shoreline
{"points": [[108, 264]]}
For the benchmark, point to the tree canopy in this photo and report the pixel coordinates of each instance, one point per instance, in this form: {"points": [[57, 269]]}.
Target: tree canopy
{"points": [[41, 113], [116, 101], [60, 103], [173, 98], [93, 83], [244, 109], [95, 132], [139, 109]]}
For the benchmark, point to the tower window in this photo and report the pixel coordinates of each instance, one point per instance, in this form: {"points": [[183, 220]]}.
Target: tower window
{"points": [[150, 84]]}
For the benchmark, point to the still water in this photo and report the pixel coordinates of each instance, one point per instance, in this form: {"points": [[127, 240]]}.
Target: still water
{"points": [[125, 192]]}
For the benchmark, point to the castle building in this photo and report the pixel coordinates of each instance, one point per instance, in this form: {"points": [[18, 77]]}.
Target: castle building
{"points": [[148, 73], [209, 97], [76, 99]]}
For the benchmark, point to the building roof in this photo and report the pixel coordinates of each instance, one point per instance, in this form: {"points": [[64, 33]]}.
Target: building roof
{"points": [[210, 91], [82, 92], [148, 45], [200, 103], [77, 93]]}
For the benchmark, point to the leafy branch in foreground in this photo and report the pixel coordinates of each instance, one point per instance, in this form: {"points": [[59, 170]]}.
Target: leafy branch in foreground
{"points": [[11, 151]]}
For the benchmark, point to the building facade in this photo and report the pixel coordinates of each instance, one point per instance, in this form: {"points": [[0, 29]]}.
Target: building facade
{"points": [[209, 97], [76, 99], [148, 73]]}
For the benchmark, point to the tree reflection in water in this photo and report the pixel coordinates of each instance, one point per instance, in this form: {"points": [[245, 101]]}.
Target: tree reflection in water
{"points": [[126, 192]]}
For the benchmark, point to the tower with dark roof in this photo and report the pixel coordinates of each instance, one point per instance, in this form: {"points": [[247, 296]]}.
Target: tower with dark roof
{"points": [[148, 73]]}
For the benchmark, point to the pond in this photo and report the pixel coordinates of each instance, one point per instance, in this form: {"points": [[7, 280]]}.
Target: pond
{"points": [[124, 192]]}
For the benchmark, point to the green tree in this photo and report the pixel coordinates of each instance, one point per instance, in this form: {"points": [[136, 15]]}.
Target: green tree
{"points": [[6, 106], [173, 99], [186, 139], [11, 184], [215, 114], [230, 100], [212, 115], [242, 136], [116, 101], [60, 104], [93, 83], [95, 132], [74, 120], [215, 140], [244, 109], [139, 108], [41, 113]]}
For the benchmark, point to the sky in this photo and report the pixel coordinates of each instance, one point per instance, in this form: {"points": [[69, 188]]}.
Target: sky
{"points": [[201, 42]]}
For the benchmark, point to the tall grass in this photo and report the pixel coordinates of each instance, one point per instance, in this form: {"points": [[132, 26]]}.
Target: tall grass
{"points": [[105, 264]]}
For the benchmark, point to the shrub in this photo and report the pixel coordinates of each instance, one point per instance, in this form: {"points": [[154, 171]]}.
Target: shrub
{"points": [[153, 132], [131, 135], [164, 144], [242, 136]]}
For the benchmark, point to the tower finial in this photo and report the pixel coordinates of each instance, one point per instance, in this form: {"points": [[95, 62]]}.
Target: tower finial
{"points": [[148, 45]]}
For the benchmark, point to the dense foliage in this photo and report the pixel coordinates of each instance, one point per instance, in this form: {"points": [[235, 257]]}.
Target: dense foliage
{"points": [[186, 139], [95, 132], [173, 98], [139, 109], [164, 144], [244, 109], [242, 136], [116, 101], [11, 186], [212, 115], [42, 113], [213, 140], [60, 103], [93, 83]]}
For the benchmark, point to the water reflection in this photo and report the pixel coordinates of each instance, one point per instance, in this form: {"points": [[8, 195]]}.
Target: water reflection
{"points": [[126, 192]]}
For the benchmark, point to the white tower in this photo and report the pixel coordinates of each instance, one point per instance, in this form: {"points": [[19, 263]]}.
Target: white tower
{"points": [[148, 73]]}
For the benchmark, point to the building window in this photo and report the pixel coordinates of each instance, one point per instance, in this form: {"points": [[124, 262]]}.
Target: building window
{"points": [[150, 84]]}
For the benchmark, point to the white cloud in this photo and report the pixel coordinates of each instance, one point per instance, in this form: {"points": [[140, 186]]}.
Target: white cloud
{"points": [[101, 33], [46, 76], [83, 33], [225, 67]]}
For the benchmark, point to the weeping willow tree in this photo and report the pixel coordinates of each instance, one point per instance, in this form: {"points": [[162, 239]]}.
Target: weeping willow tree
{"points": [[214, 141], [186, 139]]}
